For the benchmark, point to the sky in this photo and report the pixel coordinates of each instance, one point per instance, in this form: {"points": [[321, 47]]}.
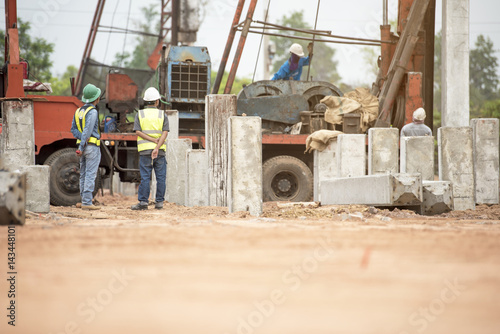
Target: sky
{"points": [[66, 24]]}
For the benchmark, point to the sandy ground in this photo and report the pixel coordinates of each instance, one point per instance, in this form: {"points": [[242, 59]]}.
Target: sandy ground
{"points": [[295, 269]]}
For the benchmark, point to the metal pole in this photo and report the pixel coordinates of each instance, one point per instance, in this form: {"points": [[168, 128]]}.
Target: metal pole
{"points": [[314, 35], [241, 45], [227, 49], [90, 44], [175, 22], [385, 19]]}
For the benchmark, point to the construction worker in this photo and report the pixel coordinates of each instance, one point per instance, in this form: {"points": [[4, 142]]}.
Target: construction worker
{"points": [[292, 68], [417, 127], [85, 129], [151, 127]]}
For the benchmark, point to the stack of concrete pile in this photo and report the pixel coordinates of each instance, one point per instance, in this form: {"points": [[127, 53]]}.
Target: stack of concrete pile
{"points": [[468, 169], [17, 147]]}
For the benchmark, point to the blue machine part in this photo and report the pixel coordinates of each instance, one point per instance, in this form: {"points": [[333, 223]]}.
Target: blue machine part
{"points": [[188, 74]]}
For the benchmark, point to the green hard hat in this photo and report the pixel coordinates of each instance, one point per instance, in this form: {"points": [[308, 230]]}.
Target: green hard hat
{"points": [[90, 93]]}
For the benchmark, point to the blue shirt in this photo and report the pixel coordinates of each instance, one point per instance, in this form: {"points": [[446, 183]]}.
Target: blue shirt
{"points": [[91, 128], [284, 72]]}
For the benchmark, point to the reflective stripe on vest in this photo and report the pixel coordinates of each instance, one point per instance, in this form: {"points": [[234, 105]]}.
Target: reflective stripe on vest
{"points": [[80, 124], [151, 121]]}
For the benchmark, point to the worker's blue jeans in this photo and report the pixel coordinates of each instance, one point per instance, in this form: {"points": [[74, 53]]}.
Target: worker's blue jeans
{"points": [[146, 166], [89, 163]]}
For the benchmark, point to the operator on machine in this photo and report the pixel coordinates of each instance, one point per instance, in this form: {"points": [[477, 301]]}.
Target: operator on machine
{"points": [[292, 68]]}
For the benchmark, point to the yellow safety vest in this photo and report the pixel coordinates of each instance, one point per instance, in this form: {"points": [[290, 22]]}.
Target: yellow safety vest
{"points": [[80, 124], [151, 121]]}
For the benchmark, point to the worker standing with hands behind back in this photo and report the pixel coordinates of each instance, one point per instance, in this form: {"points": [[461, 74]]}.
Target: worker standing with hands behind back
{"points": [[151, 126], [85, 129], [292, 68]]}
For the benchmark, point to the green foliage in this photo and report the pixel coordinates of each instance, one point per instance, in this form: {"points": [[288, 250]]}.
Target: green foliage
{"points": [[36, 51], [145, 45], [483, 68], [323, 67], [61, 86], [237, 85]]}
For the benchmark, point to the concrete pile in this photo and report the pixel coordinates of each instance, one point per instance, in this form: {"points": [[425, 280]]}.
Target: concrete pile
{"points": [[468, 169]]}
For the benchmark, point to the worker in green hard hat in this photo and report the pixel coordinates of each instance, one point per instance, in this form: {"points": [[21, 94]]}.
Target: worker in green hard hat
{"points": [[85, 129]]}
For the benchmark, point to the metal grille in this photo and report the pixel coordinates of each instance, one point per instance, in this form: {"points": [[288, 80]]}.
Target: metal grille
{"points": [[189, 81]]}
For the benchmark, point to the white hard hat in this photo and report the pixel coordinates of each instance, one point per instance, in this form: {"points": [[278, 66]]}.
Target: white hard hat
{"points": [[419, 114], [151, 94], [297, 49]]}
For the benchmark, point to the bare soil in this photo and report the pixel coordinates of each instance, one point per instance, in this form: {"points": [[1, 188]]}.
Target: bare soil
{"points": [[295, 269]]}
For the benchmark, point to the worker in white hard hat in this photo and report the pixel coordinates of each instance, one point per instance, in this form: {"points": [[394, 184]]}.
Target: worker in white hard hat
{"points": [[151, 127], [292, 68], [417, 127]]}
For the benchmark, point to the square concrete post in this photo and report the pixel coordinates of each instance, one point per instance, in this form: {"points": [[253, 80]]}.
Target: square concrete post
{"points": [[325, 167], [218, 109], [485, 141], [37, 188], [245, 164], [176, 169], [18, 134], [366, 190], [173, 124], [383, 150], [438, 197], [197, 178], [417, 156], [12, 198], [456, 164], [455, 67], [351, 155]]}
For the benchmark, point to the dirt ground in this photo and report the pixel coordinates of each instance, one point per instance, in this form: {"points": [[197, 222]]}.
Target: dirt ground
{"points": [[295, 269]]}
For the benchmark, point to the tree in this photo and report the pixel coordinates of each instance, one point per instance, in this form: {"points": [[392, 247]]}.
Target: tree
{"points": [[483, 68], [323, 68], [237, 85], [61, 86], [36, 51], [145, 44]]}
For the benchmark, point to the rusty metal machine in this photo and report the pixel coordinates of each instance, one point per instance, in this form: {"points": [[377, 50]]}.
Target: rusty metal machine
{"points": [[279, 103]]}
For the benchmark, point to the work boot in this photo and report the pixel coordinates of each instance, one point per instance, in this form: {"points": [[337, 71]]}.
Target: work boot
{"points": [[91, 207], [159, 205], [139, 206]]}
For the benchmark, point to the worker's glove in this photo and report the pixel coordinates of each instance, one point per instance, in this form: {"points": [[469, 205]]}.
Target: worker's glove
{"points": [[79, 153]]}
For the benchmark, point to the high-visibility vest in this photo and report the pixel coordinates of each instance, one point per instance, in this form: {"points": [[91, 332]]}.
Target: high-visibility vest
{"points": [[80, 124], [151, 121]]}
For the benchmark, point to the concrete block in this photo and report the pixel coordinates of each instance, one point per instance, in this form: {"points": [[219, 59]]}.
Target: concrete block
{"points": [[325, 167], [173, 124], [37, 187], [351, 155], [417, 156], [486, 164], [197, 178], [378, 190], [406, 189], [18, 135], [456, 164], [176, 170], [438, 197], [383, 150], [12, 198], [368, 190], [245, 164]]}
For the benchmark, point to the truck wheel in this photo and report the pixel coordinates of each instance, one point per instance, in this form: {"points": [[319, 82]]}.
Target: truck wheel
{"points": [[65, 177], [286, 178]]}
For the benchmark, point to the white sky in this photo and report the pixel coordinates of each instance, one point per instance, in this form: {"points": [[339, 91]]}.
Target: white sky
{"points": [[66, 23]]}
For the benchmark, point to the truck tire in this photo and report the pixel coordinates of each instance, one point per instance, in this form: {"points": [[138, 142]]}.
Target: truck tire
{"points": [[285, 178], [65, 177]]}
